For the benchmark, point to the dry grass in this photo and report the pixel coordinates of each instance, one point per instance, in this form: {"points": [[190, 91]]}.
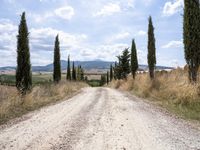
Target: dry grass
{"points": [[170, 89], [13, 105]]}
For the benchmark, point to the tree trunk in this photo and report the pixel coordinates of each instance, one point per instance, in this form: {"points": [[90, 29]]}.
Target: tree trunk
{"points": [[151, 73], [193, 74]]}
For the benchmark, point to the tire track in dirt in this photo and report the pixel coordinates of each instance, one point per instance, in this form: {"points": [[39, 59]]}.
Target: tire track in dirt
{"points": [[81, 122]]}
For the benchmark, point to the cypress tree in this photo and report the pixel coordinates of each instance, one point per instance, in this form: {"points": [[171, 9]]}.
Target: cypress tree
{"points": [[73, 72], [23, 70], [56, 63], [134, 60], [78, 77], [151, 49], [68, 69], [107, 77], [111, 72], [103, 80], [115, 72], [191, 37], [81, 73]]}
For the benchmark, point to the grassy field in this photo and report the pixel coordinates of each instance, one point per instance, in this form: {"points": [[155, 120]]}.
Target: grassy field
{"points": [[6, 79], [44, 92], [94, 83], [170, 90]]}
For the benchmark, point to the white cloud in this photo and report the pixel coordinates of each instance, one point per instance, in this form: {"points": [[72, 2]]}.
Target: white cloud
{"points": [[7, 26], [109, 9], [8, 32], [119, 36], [43, 39], [141, 33], [170, 8], [41, 44], [131, 3], [173, 44], [66, 12], [122, 35], [41, 18], [102, 51]]}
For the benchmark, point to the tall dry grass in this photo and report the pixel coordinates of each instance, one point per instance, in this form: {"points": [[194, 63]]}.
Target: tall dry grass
{"points": [[13, 105], [169, 89]]}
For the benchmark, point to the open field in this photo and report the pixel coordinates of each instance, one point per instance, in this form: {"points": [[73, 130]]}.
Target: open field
{"points": [[170, 89], [42, 78], [38, 78], [13, 105], [94, 83]]}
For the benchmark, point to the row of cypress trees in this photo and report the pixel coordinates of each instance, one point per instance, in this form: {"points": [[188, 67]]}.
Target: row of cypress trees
{"points": [[74, 74], [191, 37], [23, 70], [191, 40], [128, 62]]}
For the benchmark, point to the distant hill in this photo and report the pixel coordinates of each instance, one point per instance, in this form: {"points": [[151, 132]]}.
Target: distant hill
{"points": [[88, 65], [96, 64]]}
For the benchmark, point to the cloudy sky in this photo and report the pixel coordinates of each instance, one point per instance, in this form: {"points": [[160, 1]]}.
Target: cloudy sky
{"points": [[92, 29]]}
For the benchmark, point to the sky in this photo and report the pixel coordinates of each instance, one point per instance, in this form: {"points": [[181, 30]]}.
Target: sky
{"points": [[93, 29]]}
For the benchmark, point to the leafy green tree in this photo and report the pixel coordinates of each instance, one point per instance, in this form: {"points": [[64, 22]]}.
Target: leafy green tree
{"points": [[134, 60], [23, 70], [56, 63], [78, 76], [80, 73], [151, 49], [73, 72], [118, 72], [111, 72], [68, 69], [191, 37], [123, 67]]}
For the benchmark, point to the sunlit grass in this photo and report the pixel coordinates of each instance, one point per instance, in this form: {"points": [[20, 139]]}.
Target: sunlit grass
{"points": [[170, 89], [13, 105]]}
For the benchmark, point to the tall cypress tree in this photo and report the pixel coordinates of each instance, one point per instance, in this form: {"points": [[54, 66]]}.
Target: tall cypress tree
{"points": [[111, 72], [103, 80], [115, 72], [73, 72], [68, 69], [191, 36], [151, 49], [107, 77], [134, 60], [78, 74], [23, 70], [56, 63], [81, 73]]}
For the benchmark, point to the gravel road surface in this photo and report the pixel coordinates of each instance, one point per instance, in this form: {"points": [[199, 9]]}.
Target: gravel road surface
{"points": [[100, 119]]}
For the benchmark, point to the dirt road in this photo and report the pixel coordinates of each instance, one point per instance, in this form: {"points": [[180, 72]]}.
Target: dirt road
{"points": [[100, 119]]}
